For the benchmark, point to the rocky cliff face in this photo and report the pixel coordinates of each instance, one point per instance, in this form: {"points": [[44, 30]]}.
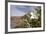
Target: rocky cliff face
{"points": [[25, 21], [15, 21]]}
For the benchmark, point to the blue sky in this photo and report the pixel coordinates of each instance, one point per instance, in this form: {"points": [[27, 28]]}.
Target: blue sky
{"points": [[19, 10]]}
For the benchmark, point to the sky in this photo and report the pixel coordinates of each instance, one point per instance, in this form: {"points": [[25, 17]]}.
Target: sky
{"points": [[20, 10]]}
